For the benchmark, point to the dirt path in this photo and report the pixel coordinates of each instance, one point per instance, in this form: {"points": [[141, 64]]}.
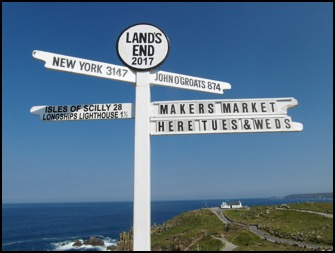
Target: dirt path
{"points": [[228, 245]]}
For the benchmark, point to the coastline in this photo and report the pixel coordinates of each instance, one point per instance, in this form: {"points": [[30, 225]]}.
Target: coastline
{"points": [[43, 226]]}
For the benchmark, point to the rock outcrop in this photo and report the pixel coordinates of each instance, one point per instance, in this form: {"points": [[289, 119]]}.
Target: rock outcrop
{"points": [[94, 242], [125, 241]]}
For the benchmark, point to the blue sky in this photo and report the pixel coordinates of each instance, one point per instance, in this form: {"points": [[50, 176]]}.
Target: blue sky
{"points": [[264, 50]]}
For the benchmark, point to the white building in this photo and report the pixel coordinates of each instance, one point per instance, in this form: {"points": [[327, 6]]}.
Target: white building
{"points": [[231, 205]]}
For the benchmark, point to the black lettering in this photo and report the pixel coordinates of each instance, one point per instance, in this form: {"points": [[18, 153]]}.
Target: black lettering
{"points": [[70, 63], [158, 38], [224, 124], [99, 69], [236, 108], [234, 124], [204, 121], [163, 109], [253, 106], [135, 38], [287, 123], [62, 62], [226, 108], [182, 110], [151, 50], [272, 106], [267, 122], [160, 126], [201, 108], [258, 123], [55, 61], [136, 50], [73, 108], [143, 50], [245, 107], [214, 124], [171, 126], [210, 108], [81, 65], [173, 110], [93, 68], [246, 125], [277, 123], [263, 107], [187, 82], [180, 126], [190, 126], [196, 83], [127, 38], [191, 106], [151, 37], [143, 37]]}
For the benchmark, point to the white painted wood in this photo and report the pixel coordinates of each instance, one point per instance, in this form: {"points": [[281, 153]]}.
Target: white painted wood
{"points": [[187, 82], [222, 125], [85, 67], [142, 47], [222, 107], [142, 205], [84, 112]]}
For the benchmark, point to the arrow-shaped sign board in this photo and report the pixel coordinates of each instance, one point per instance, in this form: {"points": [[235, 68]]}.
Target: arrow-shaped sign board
{"points": [[187, 82], [213, 125], [85, 67], [223, 116], [223, 107], [84, 112], [110, 71]]}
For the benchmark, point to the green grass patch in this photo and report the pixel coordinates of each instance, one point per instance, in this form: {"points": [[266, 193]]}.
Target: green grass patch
{"points": [[323, 207], [289, 224], [207, 243], [198, 230], [184, 230], [248, 241]]}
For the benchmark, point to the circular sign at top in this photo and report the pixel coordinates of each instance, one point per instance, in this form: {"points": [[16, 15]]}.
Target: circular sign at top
{"points": [[142, 47]]}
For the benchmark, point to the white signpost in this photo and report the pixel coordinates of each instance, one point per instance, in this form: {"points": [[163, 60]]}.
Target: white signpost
{"points": [[223, 107], [143, 47], [223, 116], [84, 112], [84, 67], [187, 82], [216, 125]]}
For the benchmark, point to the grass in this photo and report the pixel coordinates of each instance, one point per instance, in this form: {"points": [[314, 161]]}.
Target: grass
{"points": [[248, 241], [324, 207], [189, 228], [289, 224], [198, 230]]}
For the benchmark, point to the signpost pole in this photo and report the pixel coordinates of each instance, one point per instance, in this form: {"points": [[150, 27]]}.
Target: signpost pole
{"points": [[142, 204]]}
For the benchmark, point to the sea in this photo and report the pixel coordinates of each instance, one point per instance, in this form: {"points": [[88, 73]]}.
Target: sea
{"points": [[56, 226]]}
